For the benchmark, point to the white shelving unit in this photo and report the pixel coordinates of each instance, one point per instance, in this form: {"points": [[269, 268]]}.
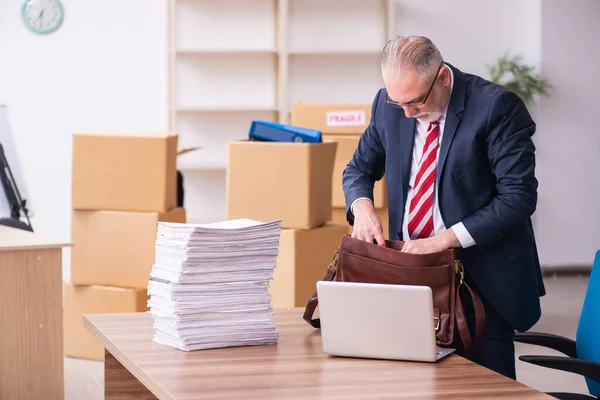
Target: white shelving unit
{"points": [[234, 61]]}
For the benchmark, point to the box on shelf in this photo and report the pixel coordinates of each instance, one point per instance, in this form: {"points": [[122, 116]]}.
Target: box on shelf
{"points": [[303, 259], [80, 300], [116, 248], [124, 171], [345, 150], [267, 181], [332, 118], [338, 217]]}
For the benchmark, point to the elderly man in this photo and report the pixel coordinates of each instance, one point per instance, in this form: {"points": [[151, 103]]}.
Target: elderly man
{"points": [[459, 162]]}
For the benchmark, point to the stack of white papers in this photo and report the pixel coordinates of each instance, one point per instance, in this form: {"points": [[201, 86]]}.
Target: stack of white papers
{"points": [[209, 285]]}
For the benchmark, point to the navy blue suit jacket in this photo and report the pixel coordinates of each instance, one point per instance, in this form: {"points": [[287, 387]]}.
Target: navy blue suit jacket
{"points": [[486, 175]]}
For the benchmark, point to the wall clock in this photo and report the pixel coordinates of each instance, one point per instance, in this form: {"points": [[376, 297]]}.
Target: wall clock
{"points": [[42, 16]]}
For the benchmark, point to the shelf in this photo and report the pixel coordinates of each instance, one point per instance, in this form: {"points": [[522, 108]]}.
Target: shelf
{"points": [[186, 165], [212, 132], [224, 24], [235, 61], [224, 109], [334, 52], [348, 79], [329, 24], [205, 193], [291, 52], [226, 81], [223, 51]]}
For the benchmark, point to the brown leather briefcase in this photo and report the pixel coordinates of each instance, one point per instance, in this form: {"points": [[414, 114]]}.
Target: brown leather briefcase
{"points": [[359, 261]]}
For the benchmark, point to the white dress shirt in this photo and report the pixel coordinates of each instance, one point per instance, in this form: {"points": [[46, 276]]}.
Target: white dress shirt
{"points": [[464, 237]]}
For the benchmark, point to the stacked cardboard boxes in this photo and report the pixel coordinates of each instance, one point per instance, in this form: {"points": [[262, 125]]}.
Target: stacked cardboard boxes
{"points": [[343, 124], [289, 181], [122, 185]]}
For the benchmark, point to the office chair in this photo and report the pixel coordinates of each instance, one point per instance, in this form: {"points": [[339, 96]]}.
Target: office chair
{"points": [[583, 353]]}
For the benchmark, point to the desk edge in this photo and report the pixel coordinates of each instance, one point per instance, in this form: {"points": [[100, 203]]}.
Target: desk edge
{"points": [[58, 245], [150, 384]]}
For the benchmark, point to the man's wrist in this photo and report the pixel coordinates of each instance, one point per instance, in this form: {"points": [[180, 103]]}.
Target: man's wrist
{"points": [[355, 201], [462, 235], [449, 239]]}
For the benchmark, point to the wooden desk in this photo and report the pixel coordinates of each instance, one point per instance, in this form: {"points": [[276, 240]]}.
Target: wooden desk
{"points": [[31, 327], [295, 368]]}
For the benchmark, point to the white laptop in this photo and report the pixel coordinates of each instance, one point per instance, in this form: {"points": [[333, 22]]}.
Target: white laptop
{"points": [[367, 320]]}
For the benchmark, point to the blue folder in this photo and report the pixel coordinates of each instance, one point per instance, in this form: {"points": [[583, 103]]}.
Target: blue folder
{"points": [[275, 132]]}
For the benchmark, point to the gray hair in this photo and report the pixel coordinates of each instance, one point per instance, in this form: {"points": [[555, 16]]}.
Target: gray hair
{"points": [[402, 53]]}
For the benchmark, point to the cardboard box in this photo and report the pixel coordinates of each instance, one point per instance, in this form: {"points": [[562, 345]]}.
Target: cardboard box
{"points": [[124, 172], [302, 261], [349, 119], [338, 217], [116, 248], [80, 300], [345, 150], [268, 181]]}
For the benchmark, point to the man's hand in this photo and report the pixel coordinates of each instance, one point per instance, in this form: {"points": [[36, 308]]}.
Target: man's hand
{"points": [[442, 241], [367, 225]]}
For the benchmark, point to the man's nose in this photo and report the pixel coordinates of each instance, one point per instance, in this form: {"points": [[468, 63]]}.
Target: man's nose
{"points": [[410, 111]]}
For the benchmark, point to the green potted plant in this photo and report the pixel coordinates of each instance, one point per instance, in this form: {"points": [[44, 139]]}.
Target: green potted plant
{"points": [[510, 72]]}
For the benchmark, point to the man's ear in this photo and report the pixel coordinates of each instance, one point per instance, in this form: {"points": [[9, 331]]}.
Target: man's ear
{"points": [[445, 75]]}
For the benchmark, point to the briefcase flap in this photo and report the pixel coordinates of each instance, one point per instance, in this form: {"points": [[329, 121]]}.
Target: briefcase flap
{"points": [[391, 253]]}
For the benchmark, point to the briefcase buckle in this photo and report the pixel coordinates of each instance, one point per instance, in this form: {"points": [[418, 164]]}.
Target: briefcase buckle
{"points": [[333, 264], [437, 323]]}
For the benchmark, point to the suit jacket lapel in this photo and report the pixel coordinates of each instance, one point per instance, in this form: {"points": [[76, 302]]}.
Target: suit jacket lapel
{"points": [[449, 131], [455, 109], [407, 137]]}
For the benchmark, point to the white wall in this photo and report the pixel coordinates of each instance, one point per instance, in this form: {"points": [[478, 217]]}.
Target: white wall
{"points": [[104, 69], [569, 134], [472, 34]]}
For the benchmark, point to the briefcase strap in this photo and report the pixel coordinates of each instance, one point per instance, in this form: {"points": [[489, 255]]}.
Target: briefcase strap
{"points": [[314, 301], [461, 321]]}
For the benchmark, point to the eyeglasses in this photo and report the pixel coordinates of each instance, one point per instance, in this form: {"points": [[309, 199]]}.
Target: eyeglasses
{"points": [[415, 103]]}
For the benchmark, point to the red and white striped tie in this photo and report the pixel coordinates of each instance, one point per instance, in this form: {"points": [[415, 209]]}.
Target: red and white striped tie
{"points": [[420, 217]]}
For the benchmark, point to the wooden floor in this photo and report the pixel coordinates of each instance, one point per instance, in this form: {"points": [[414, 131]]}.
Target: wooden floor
{"points": [[561, 308]]}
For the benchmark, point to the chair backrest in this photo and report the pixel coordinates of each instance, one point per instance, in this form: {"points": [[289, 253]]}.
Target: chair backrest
{"points": [[588, 345]]}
